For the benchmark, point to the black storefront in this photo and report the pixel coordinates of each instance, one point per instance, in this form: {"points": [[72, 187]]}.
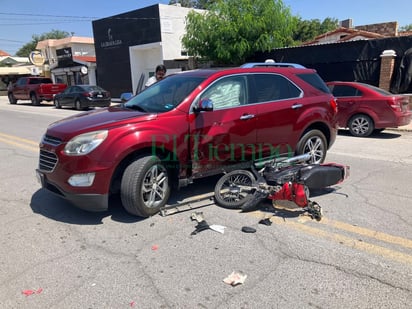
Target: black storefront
{"points": [[112, 38]]}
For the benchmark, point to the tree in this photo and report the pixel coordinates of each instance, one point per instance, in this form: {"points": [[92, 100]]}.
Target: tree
{"points": [[406, 28], [197, 4], [26, 49], [232, 30], [307, 30]]}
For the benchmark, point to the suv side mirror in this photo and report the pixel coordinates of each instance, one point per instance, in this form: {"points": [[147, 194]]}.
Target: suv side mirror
{"points": [[126, 96], [204, 105]]}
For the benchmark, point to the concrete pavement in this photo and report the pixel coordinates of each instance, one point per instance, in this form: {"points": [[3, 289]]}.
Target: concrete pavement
{"points": [[407, 128]]}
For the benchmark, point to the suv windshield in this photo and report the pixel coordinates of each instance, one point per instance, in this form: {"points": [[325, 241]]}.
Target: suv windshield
{"points": [[165, 95]]}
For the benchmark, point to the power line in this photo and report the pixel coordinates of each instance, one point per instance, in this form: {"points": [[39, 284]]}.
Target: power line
{"points": [[43, 23], [47, 15], [11, 41], [90, 18]]}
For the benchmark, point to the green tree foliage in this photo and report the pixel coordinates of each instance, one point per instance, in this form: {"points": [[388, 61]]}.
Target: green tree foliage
{"points": [[307, 30], [406, 28], [232, 30], [26, 49], [197, 4]]}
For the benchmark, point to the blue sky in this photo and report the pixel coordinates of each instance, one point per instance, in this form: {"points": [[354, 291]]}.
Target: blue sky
{"points": [[21, 19]]}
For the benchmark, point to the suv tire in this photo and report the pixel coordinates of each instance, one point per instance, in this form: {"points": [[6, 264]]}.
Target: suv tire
{"points": [[313, 142], [145, 186]]}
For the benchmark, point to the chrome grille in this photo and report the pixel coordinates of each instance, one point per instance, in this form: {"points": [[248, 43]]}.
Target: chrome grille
{"points": [[47, 161], [47, 139]]}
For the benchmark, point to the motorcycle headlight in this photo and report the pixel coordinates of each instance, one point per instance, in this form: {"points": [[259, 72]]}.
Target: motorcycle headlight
{"points": [[85, 143]]}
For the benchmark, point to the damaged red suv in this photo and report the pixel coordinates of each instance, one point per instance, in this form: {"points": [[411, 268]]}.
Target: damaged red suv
{"points": [[187, 126]]}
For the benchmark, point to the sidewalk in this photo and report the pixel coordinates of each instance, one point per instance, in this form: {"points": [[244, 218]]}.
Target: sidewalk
{"points": [[407, 128]]}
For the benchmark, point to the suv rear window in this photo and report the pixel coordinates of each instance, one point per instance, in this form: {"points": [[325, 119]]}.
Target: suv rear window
{"points": [[272, 87], [315, 81]]}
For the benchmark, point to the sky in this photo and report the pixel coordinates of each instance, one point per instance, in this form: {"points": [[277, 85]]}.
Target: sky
{"points": [[22, 19]]}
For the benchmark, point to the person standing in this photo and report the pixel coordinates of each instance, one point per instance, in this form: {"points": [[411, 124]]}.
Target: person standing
{"points": [[160, 72]]}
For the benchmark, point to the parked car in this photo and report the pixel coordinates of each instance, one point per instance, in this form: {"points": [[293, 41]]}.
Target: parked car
{"points": [[364, 108], [189, 125], [83, 97]]}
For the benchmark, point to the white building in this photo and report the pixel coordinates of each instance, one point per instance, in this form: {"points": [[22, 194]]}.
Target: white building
{"points": [[130, 45], [70, 60]]}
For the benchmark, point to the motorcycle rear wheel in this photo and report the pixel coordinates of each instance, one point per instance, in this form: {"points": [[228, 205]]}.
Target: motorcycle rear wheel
{"points": [[234, 189]]}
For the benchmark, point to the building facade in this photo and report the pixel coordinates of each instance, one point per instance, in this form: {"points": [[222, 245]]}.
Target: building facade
{"points": [[70, 60], [11, 68], [130, 45]]}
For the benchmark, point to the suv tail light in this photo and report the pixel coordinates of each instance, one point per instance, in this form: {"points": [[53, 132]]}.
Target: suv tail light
{"points": [[334, 105]]}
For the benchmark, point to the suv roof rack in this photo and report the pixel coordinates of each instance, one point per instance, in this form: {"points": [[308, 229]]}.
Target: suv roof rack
{"points": [[268, 64]]}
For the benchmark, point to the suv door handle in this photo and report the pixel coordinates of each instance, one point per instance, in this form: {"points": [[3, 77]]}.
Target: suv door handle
{"points": [[247, 116], [296, 106]]}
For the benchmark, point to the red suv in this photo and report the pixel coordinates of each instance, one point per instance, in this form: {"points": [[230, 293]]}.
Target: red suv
{"points": [[187, 126]]}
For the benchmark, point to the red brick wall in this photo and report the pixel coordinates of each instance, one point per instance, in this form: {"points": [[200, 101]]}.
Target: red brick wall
{"points": [[387, 65], [386, 29]]}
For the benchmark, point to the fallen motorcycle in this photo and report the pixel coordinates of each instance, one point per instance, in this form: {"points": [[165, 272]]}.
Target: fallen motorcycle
{"points": [[287, 179]]}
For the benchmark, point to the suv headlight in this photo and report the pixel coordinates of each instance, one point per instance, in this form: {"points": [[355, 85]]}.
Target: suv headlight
{"points": [[85, 143]]}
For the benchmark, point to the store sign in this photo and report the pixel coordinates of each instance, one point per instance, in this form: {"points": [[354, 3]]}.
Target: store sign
{"points": [[64, 56], [36, 58], [111, 41]]}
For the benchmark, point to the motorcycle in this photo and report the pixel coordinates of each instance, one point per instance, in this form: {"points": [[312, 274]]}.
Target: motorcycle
{"points": [[277, 179]]}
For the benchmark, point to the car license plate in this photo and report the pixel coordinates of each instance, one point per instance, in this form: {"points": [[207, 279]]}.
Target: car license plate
{"points": [[100, 96]]}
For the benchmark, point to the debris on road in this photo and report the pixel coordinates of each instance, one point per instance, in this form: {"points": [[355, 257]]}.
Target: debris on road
{"points": [[235, 278], [248, 229], [31, 292], [265, 221], [202, 225], [218, 228]]}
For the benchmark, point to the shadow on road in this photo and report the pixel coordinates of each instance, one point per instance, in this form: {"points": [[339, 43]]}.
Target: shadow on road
{"points": [[56, 208], [378, 135]]}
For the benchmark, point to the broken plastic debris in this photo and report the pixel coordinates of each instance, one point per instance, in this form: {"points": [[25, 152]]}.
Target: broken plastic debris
{"points": [[265, 221], [31, 292], [201, 226], [198, 216], [217, 228], [235, 278], [248, 229]]}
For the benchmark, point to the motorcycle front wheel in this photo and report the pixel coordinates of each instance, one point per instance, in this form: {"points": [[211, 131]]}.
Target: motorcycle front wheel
{"points": [[234, 189]]}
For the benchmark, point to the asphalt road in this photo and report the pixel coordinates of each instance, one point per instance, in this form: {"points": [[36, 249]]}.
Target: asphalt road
{"points": [[56, 256]]}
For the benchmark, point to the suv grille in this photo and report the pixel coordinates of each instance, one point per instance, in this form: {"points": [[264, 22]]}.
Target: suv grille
{"points": [[47, 139], [47, 161]]}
